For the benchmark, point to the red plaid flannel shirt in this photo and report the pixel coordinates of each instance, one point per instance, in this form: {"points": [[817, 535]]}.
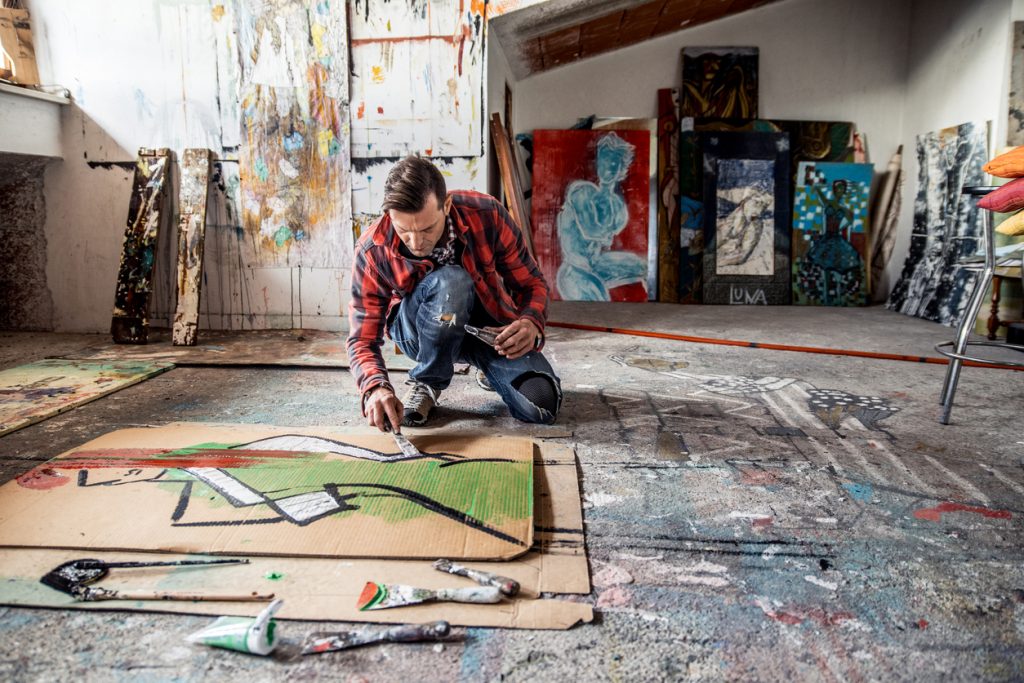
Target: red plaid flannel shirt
{"points": [[506, 278]]}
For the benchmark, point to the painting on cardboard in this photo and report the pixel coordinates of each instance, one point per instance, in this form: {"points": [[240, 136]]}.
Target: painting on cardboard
{"points": [[1015, 103], [293, 494], [591, 213], [720, 82], [946, 225], [830, 234], [746, 218]]}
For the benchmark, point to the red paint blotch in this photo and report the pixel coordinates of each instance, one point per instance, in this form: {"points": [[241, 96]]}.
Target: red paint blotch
{"points": [[42, 478], [380, 110], [935, 514], [361, 111]]}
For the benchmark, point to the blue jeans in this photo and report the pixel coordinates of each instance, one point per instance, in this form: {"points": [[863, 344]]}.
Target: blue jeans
{"points": [[428, 329]]}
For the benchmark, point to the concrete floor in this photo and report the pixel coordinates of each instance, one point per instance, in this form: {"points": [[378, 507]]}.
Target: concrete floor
{"points": [[750, 514]]}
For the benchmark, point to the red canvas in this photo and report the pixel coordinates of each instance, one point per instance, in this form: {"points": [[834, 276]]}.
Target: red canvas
{"points": [[590, 229]]}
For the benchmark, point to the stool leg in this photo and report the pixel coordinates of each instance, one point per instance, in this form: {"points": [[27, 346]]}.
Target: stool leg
{"points": [[993, 316], [967, 322]]}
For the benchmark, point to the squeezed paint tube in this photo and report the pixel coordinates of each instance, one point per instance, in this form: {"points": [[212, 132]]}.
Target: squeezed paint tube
{"points": [[245, 634]]}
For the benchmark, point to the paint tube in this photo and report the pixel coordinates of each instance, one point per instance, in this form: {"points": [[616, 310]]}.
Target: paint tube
{"points": [[245, 634]]}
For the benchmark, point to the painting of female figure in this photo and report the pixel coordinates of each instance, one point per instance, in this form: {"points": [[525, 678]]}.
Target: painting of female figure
{"points": [[591, 213], [830, 234]]}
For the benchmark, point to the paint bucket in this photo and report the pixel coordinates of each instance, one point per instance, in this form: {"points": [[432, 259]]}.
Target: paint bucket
{"points": [[244, 634]]}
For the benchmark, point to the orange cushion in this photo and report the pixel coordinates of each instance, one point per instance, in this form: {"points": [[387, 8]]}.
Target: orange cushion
{"points": [[1008, 165], [1009, 197]]}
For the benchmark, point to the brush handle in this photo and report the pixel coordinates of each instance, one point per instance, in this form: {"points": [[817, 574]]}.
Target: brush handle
{"points": [[477, 594], [412, 633], [95, 594]]}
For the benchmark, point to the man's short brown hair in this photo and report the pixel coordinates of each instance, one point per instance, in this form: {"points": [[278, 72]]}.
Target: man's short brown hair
{"points": [[408, 184]]}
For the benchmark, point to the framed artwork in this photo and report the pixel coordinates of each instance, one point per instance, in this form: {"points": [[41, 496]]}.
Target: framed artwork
{"points": [[720, 82], [746, 218], [808, 141], [830, 234], [591, 213]]}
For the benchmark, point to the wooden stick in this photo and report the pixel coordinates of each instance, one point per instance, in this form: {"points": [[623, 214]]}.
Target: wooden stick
{"points": [[510, 180]]}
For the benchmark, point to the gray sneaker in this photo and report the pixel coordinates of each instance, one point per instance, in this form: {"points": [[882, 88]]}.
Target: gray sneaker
{"points": [[482, 381], [418, 402]]}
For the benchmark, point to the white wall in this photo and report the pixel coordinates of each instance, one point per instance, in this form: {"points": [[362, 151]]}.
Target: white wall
{"points": [[958, 71], [498, 75]]}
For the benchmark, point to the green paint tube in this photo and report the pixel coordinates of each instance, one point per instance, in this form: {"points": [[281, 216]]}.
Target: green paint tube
{"points": [[244, 634]]}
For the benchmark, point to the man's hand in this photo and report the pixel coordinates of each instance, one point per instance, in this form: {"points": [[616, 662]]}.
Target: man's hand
{"points": [[384, 410], [517, 339]]}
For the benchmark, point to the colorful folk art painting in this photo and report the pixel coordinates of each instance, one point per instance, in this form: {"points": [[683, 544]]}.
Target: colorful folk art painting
{"points": [[830, 234], [591, 213], [294, 161], [946, 227], [747, 218], [290, 494], [720, 82]]}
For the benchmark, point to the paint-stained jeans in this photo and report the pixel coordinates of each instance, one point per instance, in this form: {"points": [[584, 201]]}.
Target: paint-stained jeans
{"points": [[428, 329]]}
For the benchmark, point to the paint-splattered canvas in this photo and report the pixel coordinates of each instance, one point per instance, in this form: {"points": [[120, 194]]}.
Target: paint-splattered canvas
{"points": [[720, 82], [1015, 104], [297, 494], [34, 392], [946, 225], [130, 321], [294, 161], [830, 234], [591, 213], [417, 78], [746, 219]]}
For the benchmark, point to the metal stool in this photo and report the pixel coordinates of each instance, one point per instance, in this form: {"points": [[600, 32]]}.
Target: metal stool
{"points": [[957, 354]]}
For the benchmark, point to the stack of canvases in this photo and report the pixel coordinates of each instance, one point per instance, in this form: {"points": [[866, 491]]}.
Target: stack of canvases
{"points": [[1010, 197], [708, 203]]}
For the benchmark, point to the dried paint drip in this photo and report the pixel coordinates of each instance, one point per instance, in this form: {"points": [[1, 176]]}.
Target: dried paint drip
{"points": [[274, 576]]}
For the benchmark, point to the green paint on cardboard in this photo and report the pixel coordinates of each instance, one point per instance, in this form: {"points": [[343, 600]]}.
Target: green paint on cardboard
{"points": [[274, 576]]}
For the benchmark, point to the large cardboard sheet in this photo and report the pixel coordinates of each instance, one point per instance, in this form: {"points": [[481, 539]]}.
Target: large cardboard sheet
{"points": [[34, 392], [264, 491], [326, 589]]}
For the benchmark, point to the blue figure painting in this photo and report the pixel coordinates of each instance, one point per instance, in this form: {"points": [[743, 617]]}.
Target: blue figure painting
{"points": [[600, 219]]}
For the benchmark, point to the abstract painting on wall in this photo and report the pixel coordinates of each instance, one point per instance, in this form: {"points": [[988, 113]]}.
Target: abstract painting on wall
{"points": [[830, 234], [946, 225], [294, 162], [808, 140], [746, 218], [668, 195], [720, 82], [591, 213]]}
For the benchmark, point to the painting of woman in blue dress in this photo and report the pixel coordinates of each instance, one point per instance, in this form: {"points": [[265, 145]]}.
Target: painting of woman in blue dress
{"points": [[831, 271]]}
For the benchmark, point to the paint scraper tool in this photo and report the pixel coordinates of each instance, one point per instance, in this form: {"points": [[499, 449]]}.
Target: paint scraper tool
{"points": [[328, 641], [383, 596], [483, 335], [404, 445]]}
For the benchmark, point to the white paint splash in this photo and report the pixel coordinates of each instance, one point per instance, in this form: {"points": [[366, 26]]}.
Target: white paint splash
{"points": [[819, 582], [599, 498], [706, 573]]}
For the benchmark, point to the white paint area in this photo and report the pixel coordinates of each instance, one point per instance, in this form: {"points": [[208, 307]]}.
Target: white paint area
{"points": [[705, 573], [822, 583], [599, 499]]}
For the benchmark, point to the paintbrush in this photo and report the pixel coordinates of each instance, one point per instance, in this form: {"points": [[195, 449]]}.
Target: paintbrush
{"points": [[508, 587], [327, 641], [383, 596], [404, 445]]}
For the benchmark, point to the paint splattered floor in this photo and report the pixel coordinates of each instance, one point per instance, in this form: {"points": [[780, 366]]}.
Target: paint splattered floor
{"points": [[751, 515]]}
